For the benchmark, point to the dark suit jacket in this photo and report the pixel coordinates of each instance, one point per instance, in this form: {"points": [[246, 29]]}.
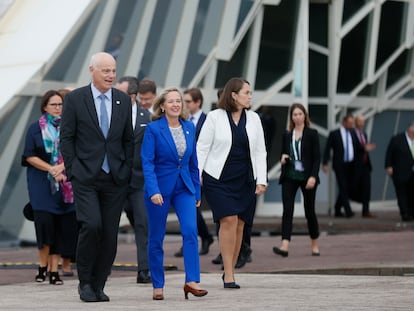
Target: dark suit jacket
{"points": [[361, 154], [143, 118], [83, 144], [200, 123], [335, 143], [399, 157], [309, 153], [161, 164]]}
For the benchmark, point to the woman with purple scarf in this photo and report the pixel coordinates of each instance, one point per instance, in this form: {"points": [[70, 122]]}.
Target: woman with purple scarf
{"points": [[51, 196]]}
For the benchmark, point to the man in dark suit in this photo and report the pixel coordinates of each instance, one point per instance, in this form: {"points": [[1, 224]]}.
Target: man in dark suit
{"points": [[97, 147], [342, 142], [399, 163], [361, 185], [193, 99], [135, 207]]}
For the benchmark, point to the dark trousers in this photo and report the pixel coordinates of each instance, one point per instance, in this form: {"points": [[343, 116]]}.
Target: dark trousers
{"points": [[289, 189], [70, 231], [405, 198], [98, 210], [365, 189], [202, 228], [344, 178], [137, 215]]}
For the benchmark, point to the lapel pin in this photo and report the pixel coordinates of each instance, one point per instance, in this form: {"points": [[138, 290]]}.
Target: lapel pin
{"points": [[118, 102], [187, 132], [141, 113]]}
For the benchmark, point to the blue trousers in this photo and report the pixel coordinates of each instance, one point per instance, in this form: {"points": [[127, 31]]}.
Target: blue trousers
{"points": [[183, 202]]}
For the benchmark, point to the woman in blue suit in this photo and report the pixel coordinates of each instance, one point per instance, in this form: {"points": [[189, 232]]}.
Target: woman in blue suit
{"points": [[169, 162]]}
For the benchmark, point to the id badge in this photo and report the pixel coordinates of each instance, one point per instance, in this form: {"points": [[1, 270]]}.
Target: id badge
{"points": [[299, 166]]}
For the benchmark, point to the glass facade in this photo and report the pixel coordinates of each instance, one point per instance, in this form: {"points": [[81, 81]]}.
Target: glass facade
{"points": [[180, 42]]}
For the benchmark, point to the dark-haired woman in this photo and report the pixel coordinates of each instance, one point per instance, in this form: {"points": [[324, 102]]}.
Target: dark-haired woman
{"points": [[300, 167], [232, 158], [50, 195]]}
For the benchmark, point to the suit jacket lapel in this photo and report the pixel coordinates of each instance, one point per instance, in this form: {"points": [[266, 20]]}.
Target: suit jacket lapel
{"points": [[90, 106], [165, 131], [188, 139], [116, 110], [137, 121]]}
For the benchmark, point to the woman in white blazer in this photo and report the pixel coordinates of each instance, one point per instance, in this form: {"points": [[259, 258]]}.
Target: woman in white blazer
{"points": [[232, 160]]}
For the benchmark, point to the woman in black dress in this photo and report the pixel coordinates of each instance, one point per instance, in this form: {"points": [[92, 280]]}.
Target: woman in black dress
{"points": [[232, 158]]}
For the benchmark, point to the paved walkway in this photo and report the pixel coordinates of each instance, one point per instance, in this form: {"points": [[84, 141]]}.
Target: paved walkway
{"points": [[357, 270]]}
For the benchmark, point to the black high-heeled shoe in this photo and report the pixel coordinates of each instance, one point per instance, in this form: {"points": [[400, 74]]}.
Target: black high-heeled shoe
{"points": [[41, 275], [54, 278], [280, 252], [231, 285]]}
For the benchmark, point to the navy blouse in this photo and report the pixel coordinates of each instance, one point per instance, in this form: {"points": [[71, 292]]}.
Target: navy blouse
{"points": [[38, 184]]}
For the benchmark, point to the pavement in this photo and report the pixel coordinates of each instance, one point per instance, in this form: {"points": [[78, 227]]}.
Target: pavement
{"points": [[365, 264]]}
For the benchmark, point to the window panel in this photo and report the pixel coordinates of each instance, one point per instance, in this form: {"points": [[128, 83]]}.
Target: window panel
{"points": [[318, 114], [318, 74], [203, 38], [352, 58], [234, 67], [276, 43], [391, 30], [318, 24], [399, 68], [350, 8]]}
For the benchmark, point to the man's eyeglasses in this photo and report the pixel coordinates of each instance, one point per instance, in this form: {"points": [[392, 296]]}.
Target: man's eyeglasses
{"points": [[56, 105], [188, 101]]}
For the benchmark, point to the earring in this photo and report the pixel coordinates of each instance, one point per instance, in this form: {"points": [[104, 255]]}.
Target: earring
{"points": [[162, 110]]}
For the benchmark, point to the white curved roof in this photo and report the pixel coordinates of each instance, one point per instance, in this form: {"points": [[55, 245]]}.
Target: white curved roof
{"points": [[31, 32]]}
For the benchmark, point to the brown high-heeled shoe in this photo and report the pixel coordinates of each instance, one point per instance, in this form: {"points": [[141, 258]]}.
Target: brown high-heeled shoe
{"points": [[158, 296], [196, 292]]}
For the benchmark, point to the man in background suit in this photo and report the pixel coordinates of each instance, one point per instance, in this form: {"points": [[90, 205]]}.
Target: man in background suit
{"points": [[147, 91], [135, 207], [342, 142], [97, 147], [399, 163], [193, 99], [361, 184]]}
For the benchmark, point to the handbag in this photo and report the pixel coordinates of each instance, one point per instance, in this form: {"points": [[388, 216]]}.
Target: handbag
{"points": [[28, 212]]}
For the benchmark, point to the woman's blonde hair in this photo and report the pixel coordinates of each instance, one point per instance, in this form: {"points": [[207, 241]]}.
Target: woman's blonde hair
{"points": [[160, 99]]}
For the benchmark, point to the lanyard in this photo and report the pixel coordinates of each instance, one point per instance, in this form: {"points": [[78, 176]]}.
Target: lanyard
{"points": [[296, 153]]}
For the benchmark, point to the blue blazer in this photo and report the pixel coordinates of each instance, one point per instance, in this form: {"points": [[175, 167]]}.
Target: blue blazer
{"points": [[161, 164]]}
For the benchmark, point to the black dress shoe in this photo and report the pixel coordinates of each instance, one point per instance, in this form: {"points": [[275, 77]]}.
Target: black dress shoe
{"points": [[350, 214], [339, 214], [244, 254], [86, 293], [280, 252], [218, 260], [143, 277], [368, 215], [101, 296], [179, 253], [315, 253], [205, 246]]}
